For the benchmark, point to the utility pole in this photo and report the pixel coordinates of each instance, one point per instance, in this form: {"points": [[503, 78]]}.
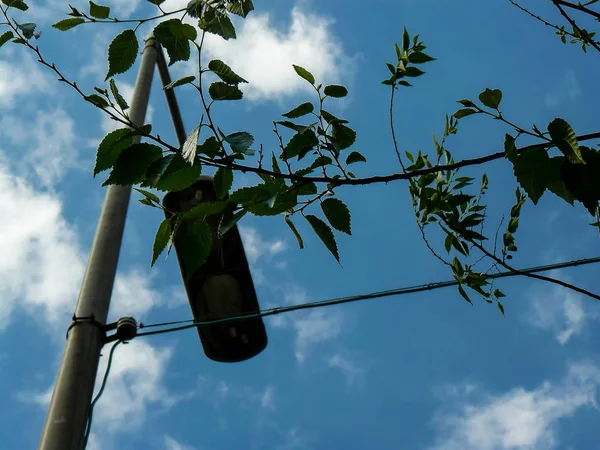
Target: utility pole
{"points": [[69, 408]]}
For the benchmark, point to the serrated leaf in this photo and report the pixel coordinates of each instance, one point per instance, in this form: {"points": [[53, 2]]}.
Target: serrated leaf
{"points": [[131, 165], [254, 194], [6, 36], [337, 214], [97, 100], [122, 53], [224, 91], [229, 221], [161, 240], [303, 73], [195, 240], [464, 112], [334, 90], [510, 149], [330, 118], [110, 148], [275, 164], [148, 195], [171, 173], [500, 307], [343, 135], [205, 209], [180, 82], [223, 180], [118, 97], [299, 143], [240, 141], [491, 98], [354, 157], [564, 138], [295, 231], [67, 24], [217, 23], [99, 11], [190, 146], [467, 103], [405, 41], [299, 111], [532, 170], [175, 37], [324, 233], [240, 7], [224, 72], [210, 147], [419, 58], [18, 4]]}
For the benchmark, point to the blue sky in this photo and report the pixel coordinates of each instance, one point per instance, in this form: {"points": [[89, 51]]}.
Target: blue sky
{"points": [[425, 371]]}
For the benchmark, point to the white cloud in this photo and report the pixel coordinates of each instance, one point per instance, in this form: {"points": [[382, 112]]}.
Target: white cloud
{"points": [[560, 311], [566, 89], [315, 328], [263, 54], [351, 371], [267, 399], [172, 444], [20, 78], [257, 247], [519, 419]]}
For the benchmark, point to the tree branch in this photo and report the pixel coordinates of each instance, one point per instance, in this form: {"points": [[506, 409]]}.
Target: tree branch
{"points": [[582, 34], [577, 7]]}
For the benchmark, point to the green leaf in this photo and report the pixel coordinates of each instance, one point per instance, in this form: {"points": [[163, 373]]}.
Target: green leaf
{"points": [[334, 90], [205, 209], [118, 97], [161, 240], [330, 118], [500, 307], [180, 82], [110, 148], [122, 53], [413, 72], [240, 7], [175, 37], [239, 141], [254, 194], [464, 294], [98, 11], [67, 24], [355, 157], [582, 179], [324, 233], [195, 240], [97, 100], [6, 36], [533, 172], [295, 231], [343, 135], [18, 4], [464, 112], [217, 23], [224, 72], [405, 40], [299, 143], [210, 147], [419, 58], [491, 98], [510, 149], [337, 214], [131, 165], [224, 91], [467, 103], [303, 73], [300, 110], [275, 165], [228, 222], [172, 173], [564, 138], [149, 195], [223, 180]]}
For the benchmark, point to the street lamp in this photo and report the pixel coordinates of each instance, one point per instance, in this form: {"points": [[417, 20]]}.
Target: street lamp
{"points": [[222, 287]]}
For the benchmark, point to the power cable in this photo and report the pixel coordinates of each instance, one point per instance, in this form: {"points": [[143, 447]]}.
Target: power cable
{"points": [[337, 301]]}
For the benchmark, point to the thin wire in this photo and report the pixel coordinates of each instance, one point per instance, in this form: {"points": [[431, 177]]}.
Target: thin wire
{"points": [[99, 394], [337, 301]]}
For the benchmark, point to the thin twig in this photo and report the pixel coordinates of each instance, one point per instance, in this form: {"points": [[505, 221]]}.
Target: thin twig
{"points": [[393, 130], [582, 34]]}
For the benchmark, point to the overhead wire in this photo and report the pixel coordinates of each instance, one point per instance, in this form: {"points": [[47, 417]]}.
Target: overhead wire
{"points": [[190, 323]]}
